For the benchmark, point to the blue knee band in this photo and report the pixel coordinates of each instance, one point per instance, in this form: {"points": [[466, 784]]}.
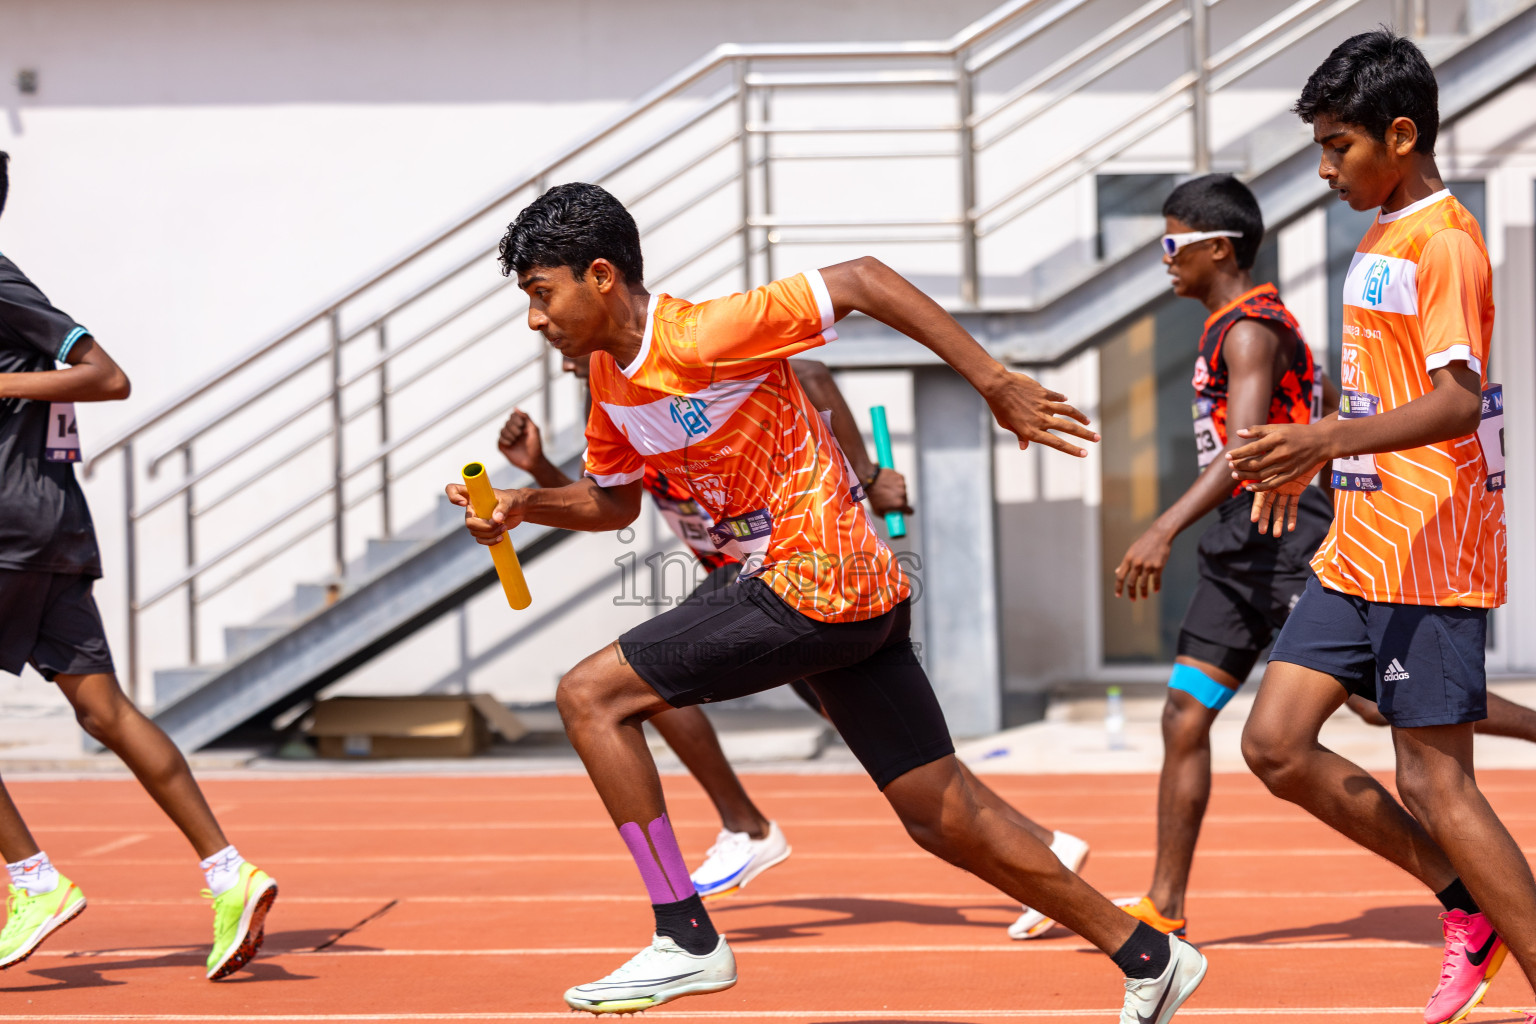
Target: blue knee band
{"points": [[1200, 686]]}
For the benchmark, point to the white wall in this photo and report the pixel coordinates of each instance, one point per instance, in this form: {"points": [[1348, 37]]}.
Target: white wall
{"points": [[191, 177]]}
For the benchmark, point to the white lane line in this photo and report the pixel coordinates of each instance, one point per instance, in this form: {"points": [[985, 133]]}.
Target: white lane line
{"points": [[757, 902], [599, 824], [116, 844], [1310, 1012], [1011, 949], [864, 857]]}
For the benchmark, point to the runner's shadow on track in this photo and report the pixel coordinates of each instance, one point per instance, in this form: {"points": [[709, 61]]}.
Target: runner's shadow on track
{"points": [[92, 972], [1401, 924], [843, 911]]}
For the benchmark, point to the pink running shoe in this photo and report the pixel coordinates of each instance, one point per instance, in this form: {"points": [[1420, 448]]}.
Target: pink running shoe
{"points": [[1473, 955]]}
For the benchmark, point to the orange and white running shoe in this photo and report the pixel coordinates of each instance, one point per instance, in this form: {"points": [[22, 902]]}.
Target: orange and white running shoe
{"points": [[1143, 909]]}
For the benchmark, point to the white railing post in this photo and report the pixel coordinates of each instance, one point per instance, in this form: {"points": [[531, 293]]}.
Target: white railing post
{"points": [[189, 514], [970, 273], [744, 114], [1199, 52], [338, 470], [131, 573], [771, 236], [386, 519]]}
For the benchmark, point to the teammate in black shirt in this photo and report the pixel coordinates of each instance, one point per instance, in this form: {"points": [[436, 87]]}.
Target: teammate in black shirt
{"points": [[48, 618]]}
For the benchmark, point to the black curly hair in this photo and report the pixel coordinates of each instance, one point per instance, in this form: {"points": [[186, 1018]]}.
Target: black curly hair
{"points": [[1370, 80], [570, 226], [1219, 202]]}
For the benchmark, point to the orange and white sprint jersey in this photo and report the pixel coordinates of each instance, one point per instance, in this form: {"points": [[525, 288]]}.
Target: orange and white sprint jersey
{"points": [[710, 401], [1423, 526]]}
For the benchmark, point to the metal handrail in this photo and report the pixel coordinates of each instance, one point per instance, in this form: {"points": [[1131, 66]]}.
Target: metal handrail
{"points": [[411, 295], [720, 57]]}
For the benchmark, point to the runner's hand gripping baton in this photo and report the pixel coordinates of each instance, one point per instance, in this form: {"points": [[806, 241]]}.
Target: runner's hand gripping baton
{"points": [[895, 522], [482, 501]]}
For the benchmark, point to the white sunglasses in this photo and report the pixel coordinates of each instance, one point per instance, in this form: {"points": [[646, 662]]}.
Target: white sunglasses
{"points": [[1173, 243]]}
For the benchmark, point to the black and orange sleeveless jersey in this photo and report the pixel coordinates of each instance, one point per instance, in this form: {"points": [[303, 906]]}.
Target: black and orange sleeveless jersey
{"points": [[1295, 398], [690, 522]]}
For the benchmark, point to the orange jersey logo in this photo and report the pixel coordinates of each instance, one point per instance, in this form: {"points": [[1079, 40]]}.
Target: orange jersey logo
{"points": [[711, 403], [1422, 526]]}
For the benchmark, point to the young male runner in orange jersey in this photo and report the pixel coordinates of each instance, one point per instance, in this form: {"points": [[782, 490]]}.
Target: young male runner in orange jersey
{"points": [[703, 391], [1252, 366], [1416, 554], [748, 843]]}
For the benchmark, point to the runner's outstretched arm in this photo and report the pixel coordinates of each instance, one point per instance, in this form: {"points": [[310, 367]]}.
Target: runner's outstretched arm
{"points": [[91, 376], [583, 505], [1020, 403]]}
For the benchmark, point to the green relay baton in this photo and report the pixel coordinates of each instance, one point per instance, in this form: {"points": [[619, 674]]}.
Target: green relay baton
{"points": [[895, 522]]}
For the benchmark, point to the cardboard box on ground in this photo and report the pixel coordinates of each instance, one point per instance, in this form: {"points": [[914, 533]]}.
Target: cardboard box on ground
{"points": [[432, 725]]}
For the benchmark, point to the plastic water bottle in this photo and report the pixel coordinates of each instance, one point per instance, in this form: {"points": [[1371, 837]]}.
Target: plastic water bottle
{"points": [[1114, 720]]}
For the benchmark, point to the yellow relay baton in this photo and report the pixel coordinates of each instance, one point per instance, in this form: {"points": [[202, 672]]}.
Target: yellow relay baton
{"points": [[482, 501]]}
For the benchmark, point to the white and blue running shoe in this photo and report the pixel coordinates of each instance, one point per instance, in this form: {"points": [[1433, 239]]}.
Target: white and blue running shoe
{"points": [[737, 858]]}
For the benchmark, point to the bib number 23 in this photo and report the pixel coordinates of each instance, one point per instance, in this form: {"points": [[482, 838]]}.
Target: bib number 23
{"points": [[1207, 443]]}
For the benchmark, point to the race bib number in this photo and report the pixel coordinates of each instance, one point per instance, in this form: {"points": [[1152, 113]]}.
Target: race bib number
{"points": [[1490, 435], [1317, 401], [1207, 442], [1356, 472], [62, 443], [689, 522], [745, 538]]}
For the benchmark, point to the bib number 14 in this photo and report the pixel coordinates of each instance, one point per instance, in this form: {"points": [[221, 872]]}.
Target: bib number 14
{"points": [[63, 441]]}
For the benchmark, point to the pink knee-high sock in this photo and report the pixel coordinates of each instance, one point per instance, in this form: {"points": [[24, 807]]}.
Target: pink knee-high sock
{"points": [[659, 859]]}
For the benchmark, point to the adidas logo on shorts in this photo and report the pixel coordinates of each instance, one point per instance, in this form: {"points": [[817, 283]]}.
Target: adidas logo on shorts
{"points": [[1395, 672]]}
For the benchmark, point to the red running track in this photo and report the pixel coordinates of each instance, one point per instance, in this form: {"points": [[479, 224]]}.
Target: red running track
{"points": [[430, 898]]}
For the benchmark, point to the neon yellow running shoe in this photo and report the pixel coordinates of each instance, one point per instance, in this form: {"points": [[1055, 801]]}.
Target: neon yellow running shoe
{"points": [[31, 919], [239, 921]]}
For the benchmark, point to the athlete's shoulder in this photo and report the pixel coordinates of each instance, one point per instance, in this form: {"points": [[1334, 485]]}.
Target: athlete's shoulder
{"points": [[1265, 304], [17, 286]]}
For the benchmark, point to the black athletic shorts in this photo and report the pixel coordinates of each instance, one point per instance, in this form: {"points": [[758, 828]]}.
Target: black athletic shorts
{"points": [[51, 621], [1249, 582], [725, 642], [723, 576]]}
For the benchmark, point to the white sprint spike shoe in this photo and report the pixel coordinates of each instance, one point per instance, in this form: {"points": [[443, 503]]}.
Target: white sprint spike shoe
{"points": [[659, 973], [1154, 1000]]}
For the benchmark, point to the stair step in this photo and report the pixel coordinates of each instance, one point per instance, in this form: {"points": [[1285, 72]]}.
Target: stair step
{"points": [[241, 640], [171, 683], [381, 554]]}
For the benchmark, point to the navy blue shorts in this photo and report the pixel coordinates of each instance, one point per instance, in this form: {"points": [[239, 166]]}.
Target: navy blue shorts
{"points": [[1421, 664]]}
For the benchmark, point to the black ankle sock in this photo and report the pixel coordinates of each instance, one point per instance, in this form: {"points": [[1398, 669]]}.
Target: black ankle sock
{"points": [[1456, 897], [1145, 953], [686, 923]]}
